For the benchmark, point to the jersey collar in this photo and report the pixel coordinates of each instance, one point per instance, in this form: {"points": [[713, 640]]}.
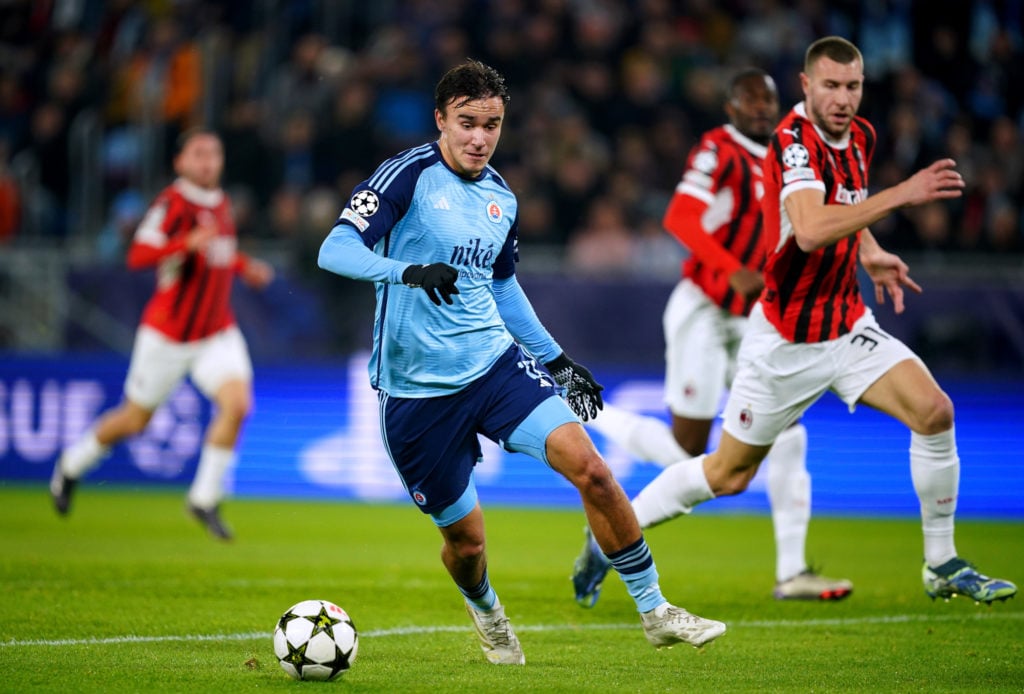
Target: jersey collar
{"points": [[204, 197], [841, 143], [745, 142]]}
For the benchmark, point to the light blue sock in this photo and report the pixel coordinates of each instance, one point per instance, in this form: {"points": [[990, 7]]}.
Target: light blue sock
{"points": [[637, 570], [481, 596]]}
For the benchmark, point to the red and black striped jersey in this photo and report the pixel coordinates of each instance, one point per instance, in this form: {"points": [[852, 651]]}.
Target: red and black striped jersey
{"points": [[716, 213], [193, 290], [813, 297]]}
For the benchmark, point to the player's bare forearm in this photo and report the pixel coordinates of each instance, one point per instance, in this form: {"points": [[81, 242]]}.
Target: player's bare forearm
{"points": [[817, 225]]}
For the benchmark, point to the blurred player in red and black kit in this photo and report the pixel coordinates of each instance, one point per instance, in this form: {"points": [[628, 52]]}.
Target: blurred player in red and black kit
{"points": [[189, 236], [811, 331], [716, 213]]}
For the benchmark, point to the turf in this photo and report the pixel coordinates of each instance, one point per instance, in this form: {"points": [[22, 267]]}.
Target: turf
{"points": [[127, 594]]}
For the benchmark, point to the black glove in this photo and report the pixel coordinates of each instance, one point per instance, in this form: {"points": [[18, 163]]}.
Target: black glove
{"points": [[434, 277], [582, 392]]}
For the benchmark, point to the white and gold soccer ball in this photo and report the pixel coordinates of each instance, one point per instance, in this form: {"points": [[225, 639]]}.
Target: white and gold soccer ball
{"points": [[315, 640]]}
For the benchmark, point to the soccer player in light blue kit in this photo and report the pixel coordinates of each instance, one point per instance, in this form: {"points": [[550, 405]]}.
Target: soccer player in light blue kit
{"points": [[455, 354]]}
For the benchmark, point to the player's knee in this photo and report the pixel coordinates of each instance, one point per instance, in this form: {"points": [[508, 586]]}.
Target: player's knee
{"points": [[726, 479], [732, 485], [692, 445], [234, 400], [592, 477], [238, 410], [691, 435], [467, 549], [235, 408], [938, 415]]}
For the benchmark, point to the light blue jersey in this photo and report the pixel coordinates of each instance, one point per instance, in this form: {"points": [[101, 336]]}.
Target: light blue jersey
{"points": [[415, 210]]}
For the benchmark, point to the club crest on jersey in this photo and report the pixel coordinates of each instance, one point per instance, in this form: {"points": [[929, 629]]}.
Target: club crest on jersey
{"points": [[365, 203], [746, 418], [419, 497], [705, 161], [494, 212], [795, 156]]}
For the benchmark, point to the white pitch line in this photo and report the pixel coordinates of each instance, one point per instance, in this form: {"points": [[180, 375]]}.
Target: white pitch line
{"points": [[416, 630]]}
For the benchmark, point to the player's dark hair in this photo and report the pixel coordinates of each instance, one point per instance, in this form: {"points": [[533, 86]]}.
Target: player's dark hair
{"points": [[834, 48], [749, 73], [469, 81], [186, 135]]}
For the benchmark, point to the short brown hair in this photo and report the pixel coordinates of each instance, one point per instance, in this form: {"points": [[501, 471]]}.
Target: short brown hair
{"points": [[469, 81], [834, 48]]}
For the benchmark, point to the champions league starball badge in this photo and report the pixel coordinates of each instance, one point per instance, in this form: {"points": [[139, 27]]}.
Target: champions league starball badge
{"points": [[795, 156], [365, 203]]}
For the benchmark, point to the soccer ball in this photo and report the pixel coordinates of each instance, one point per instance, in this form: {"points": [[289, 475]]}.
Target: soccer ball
{"points": [[315, 640]]}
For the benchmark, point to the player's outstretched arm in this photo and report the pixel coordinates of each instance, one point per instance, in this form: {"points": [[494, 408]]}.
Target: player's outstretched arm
{"points": [[940, 181], [343, 253], [817, 225], [887, 271]]}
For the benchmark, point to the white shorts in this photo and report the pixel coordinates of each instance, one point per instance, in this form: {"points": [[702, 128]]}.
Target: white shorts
{"points": [[701, 343], [159, 364], [778, 380]]}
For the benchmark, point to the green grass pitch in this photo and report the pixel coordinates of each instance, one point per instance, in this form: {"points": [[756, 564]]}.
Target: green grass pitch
{"points": [[127, 594]]}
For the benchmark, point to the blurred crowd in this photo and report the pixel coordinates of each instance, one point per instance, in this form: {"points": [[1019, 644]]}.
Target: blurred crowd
{"points": [[608, 96]]}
